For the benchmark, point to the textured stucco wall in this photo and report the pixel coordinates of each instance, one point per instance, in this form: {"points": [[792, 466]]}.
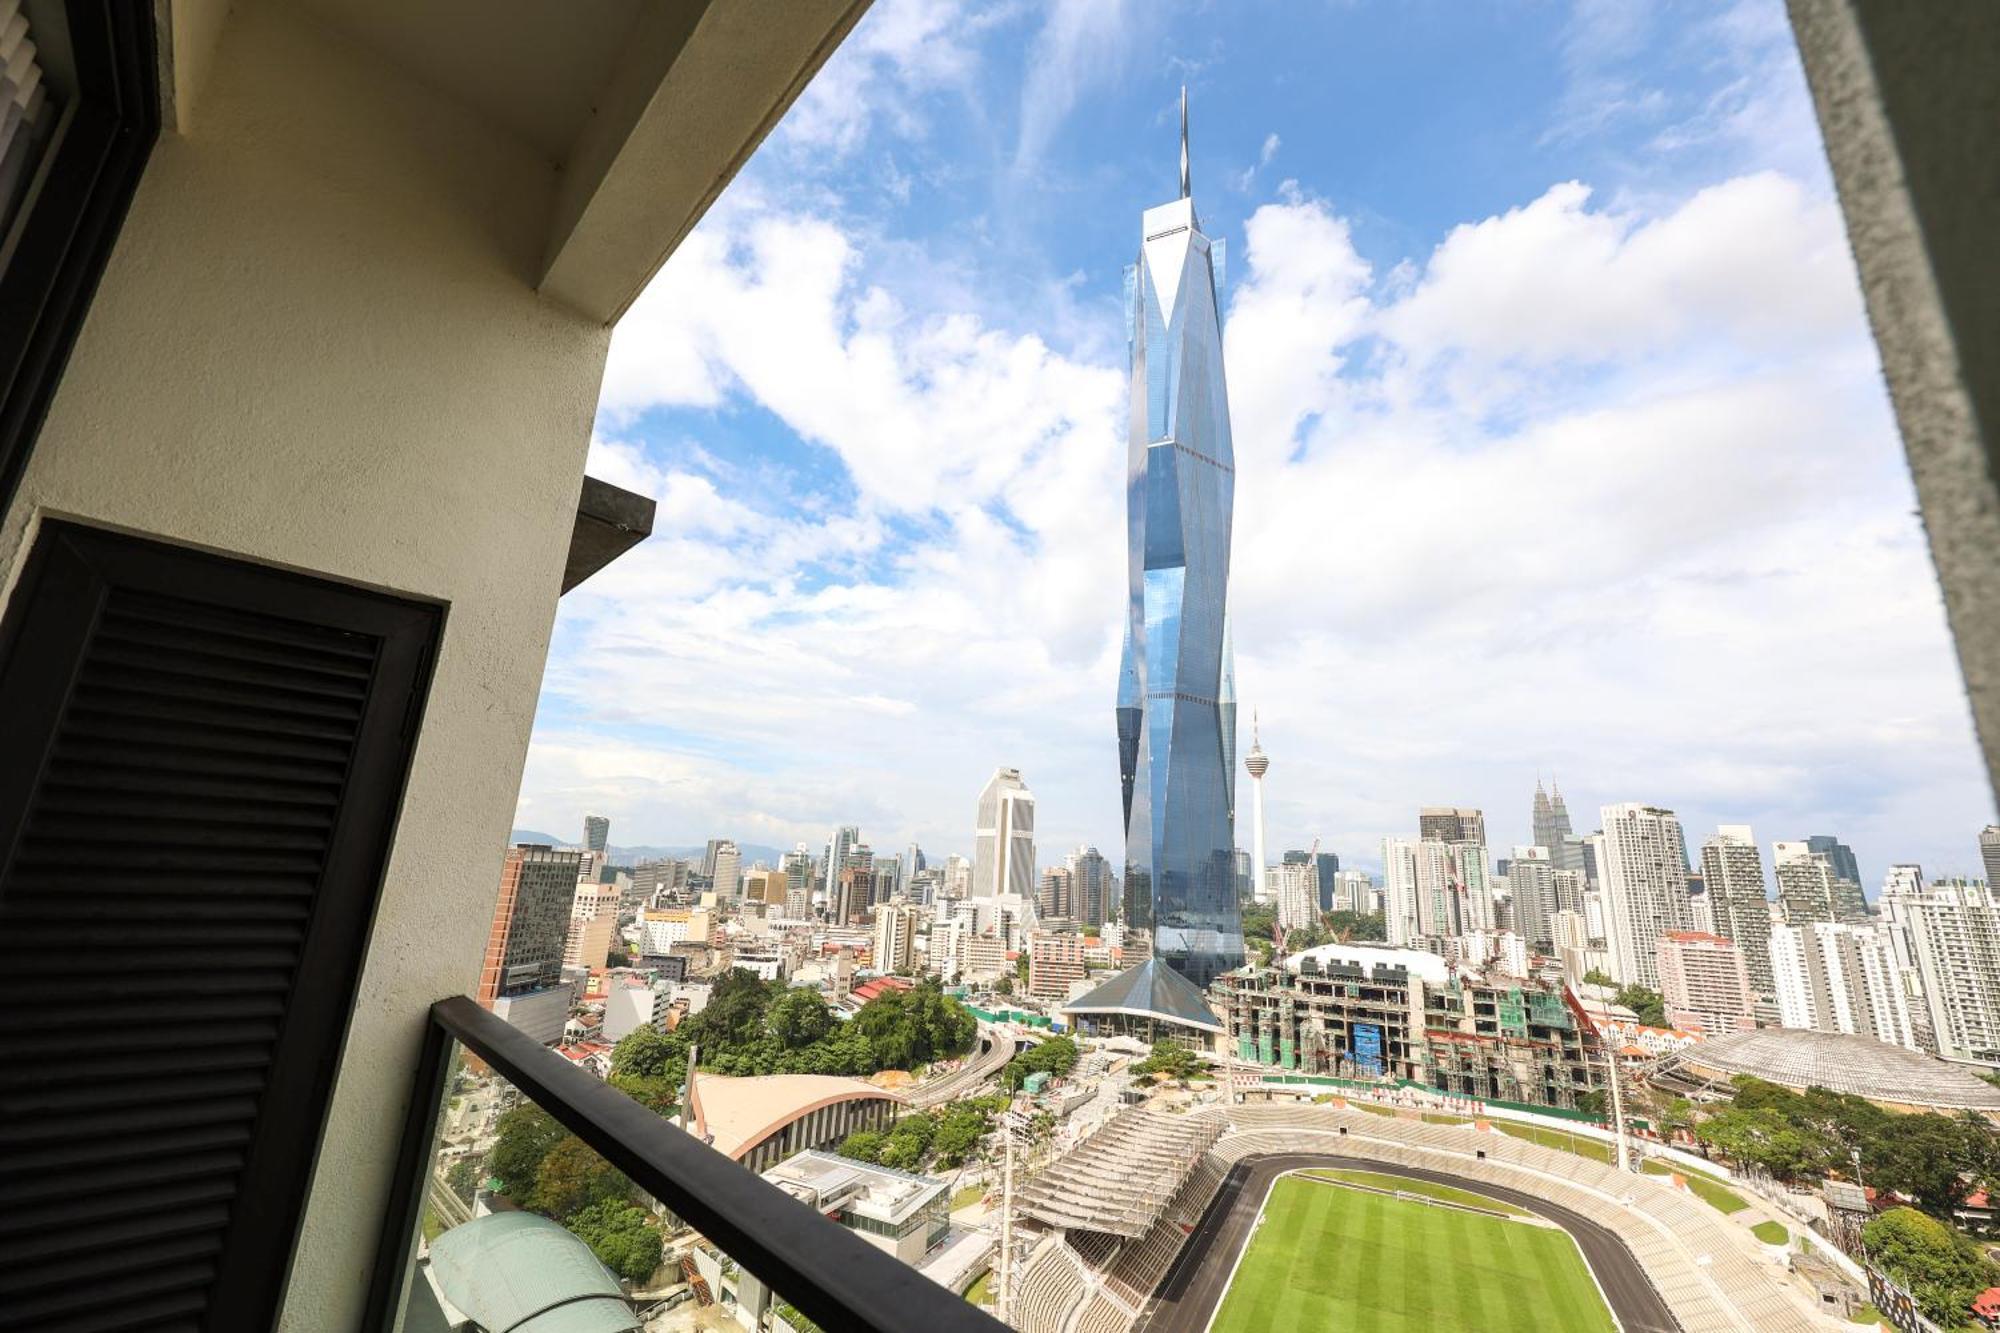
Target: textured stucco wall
{"points": [[1908, 96], [317, 345]]}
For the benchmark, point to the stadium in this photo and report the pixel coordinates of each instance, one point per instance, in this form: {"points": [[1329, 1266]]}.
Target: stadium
{"points": [[1178, 1223]]}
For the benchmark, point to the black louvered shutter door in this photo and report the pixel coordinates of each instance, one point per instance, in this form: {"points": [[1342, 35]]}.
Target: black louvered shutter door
{"points": [[200, 765]]}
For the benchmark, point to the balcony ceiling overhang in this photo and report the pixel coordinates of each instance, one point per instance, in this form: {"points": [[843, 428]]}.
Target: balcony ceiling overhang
{"points": [[646, 108]]}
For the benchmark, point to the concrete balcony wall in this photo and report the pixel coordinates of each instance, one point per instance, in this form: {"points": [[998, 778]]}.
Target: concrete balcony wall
{"points": [[318, 345]]}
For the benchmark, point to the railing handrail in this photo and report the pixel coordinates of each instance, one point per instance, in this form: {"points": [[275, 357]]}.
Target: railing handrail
{"points": [[822, 1269]]}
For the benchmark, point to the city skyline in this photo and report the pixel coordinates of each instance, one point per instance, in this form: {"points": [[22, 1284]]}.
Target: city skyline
{"points": [[864, 535]]}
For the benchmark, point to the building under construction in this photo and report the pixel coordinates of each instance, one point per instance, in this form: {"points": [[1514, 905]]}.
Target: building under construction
{"points": [[1366, 1012]]}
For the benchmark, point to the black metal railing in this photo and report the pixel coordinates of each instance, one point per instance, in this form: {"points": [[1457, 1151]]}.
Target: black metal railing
{"points": [[826, 1272]]}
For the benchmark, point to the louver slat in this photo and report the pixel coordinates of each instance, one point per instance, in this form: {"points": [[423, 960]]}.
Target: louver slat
{"points": [[199, 766]]}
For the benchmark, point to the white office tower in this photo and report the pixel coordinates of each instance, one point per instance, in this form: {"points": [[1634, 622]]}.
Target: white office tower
{"points": [[1732, 870], [1951, 930], [1298, 895], [1806, 889], [1399, 891], [1003, 838], [1644, 865], [728, 872], [1836, 978], [895, 935], [1258, 763], [1531, 887]]}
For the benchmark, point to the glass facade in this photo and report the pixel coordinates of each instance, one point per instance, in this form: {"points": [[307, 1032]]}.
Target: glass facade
{"points": [[1176, 692]]}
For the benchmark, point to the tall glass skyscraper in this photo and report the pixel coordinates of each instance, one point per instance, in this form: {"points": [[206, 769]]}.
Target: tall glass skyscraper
{"points": [[1176, 704]]}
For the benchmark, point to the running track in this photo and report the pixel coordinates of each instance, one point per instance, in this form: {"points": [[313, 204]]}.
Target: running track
{"points": [[1193, 1286]]}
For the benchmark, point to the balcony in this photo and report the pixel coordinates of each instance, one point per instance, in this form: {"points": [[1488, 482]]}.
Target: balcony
{"points": [[455, 1254]]}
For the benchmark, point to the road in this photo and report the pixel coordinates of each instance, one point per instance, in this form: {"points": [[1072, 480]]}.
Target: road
{"points": [[1193, 1286], [996, 1049]]}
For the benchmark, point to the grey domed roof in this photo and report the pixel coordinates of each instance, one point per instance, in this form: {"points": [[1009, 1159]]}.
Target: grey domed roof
{"points": [[1863, 1066]]}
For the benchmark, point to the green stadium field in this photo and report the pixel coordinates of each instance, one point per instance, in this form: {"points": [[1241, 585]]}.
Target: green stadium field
{"points": [[1323, 1257]]}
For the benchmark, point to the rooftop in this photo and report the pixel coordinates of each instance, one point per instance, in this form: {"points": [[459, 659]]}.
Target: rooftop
{"points": [[1150, 990], [1862, 1066], [824, 1180], [1423, 966], [739, 1113]]}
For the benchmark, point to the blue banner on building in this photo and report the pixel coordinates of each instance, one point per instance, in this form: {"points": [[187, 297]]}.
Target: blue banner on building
{"points": [[1367, 1052]]}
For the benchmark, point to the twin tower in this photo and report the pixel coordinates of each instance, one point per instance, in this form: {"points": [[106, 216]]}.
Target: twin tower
{"points": [[1176, 683]]}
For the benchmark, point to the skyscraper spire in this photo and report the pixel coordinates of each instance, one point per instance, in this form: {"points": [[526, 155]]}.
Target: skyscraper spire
{"points": [[1187, 189]]}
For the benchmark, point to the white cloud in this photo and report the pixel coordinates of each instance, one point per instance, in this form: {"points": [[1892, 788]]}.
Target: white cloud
{"points": [[1607, 491], [901, 51], [1080, 41]]}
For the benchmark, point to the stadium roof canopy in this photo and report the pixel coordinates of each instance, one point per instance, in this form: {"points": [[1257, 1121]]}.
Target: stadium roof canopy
{"points": [[1120, 1179], [1796, 1058], [1150, 990], [740, 1113]]}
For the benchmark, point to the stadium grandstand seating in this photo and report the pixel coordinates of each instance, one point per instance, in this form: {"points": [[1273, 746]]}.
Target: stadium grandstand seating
{"points": [[1096, 1266], [1120, 1179]]}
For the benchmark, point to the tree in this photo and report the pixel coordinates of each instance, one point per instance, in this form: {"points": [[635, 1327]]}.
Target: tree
{"points": [[1647, 1003], [524, 1137], [1172, 1060], [1597, 976], [959, 1130], [573, 1177], [1356, 925], [798, 1018], [1057, 1056], [1765, 1137], [1003, 985], [463, 1177], [1942, 1269], [649, 1053], [621, 1236], [1929, 1158], [864, 1145]]}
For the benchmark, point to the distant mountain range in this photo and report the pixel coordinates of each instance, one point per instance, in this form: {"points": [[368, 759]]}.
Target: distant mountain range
{"points": [[753, 852]]}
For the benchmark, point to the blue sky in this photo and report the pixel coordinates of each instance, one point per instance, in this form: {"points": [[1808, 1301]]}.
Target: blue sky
{"points": [[1562, 448]]}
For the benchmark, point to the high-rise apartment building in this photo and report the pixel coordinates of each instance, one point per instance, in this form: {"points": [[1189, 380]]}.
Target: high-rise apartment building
{"points": [[1950, 934], [1176, 708], [1732, 875], [1838, 855], [1353, 891], [1805, 883], [1704, 982], [1645, 887], [597, 834], [1055, 963], [524, 947], [888, 878], [854, 885], [1841, 978], [1297, 894], [1402, 924], [895, 937], [1090, 876], [1055, 895], [1989, 852], [1448, 823], [1531, 889], [1003, 839], [593, 919]]}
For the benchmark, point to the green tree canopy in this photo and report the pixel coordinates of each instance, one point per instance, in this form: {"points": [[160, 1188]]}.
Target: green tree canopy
{"points": [[1597, 976], [1645, 1002], [864, 1145], [621, 1235], [572, 1177], [523, 1137], [1173, 1060], [1942, 1269], [1057, 1056]]}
